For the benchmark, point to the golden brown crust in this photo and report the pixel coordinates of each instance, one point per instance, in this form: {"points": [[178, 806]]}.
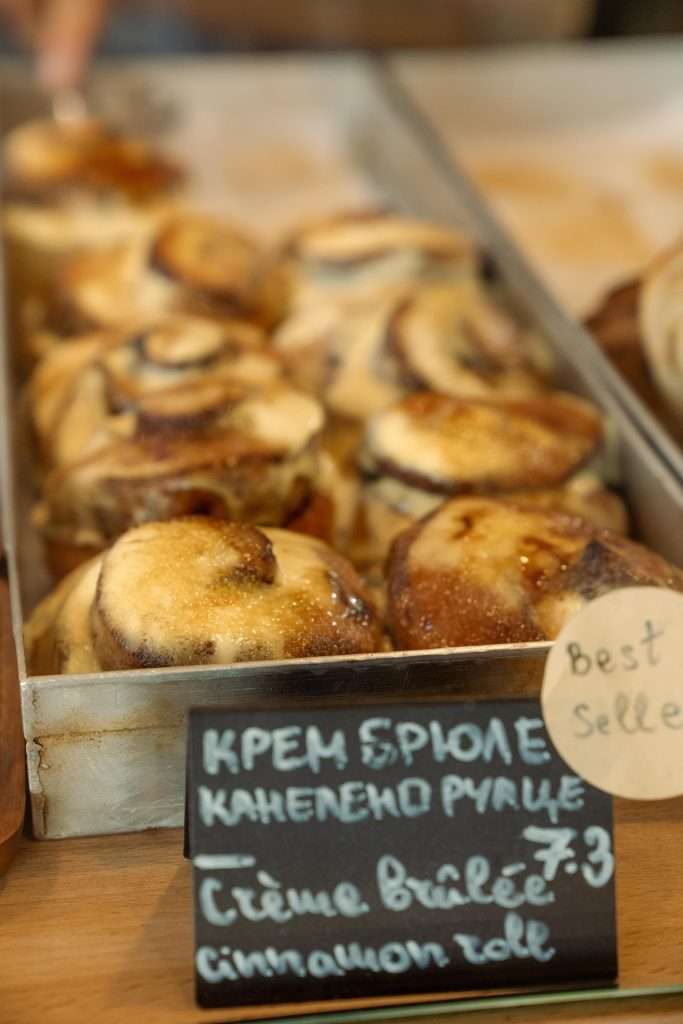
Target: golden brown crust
{"points": [[256, 460], [208, 592], [352, 238], [448, 446], [480, 571], [44, 158], [112, 384], [193, 264], [214, 260], [455, 339]]}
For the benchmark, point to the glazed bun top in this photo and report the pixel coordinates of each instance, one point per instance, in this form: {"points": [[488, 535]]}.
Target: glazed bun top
{"points": [[485, 571], [207, 592], [364, 250], [193, 263], [96, 388], [43, 157], [449, 446]]}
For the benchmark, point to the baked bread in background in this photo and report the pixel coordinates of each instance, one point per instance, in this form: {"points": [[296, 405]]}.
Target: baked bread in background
{"points": [[362, 251], [429, 447], [86, 394], [486, 571], [193, 263], [661, 324], [639, 326], [217, 448], [69, 187], [206, 592]]}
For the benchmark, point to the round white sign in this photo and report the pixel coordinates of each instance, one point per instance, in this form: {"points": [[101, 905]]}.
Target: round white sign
{"points": [[612, 694]]}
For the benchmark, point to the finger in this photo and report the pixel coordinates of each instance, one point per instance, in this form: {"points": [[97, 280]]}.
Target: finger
{"points": [[66, 37]]}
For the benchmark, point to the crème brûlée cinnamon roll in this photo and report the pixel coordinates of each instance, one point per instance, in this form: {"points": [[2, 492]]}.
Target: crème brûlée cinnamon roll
{"points": [[84, 394], [363, 250], [71, 186], [364, 353], [194, 263], [206, 592], [429, 447], [485, 571], [215, 446]]}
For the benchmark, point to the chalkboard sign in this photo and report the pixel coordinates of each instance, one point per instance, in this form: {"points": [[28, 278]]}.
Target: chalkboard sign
{"points": [[393, 849]]}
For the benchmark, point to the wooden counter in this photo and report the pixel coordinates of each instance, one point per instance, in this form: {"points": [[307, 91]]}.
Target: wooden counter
{"points": [[101, 930]]}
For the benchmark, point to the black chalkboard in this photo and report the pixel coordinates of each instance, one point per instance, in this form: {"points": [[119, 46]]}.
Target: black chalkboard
{"points": [[471, 856]]}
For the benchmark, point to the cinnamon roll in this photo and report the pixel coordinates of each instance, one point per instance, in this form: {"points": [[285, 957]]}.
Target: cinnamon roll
{"points": [[86, 393], [364, 250], [207, 592], [429, 447], [359, 356], [194, 263], [213, 446], [73, 186], [484, 571]]}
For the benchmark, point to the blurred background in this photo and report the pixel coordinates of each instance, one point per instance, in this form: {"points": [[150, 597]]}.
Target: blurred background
{"points": [[172, 26]]}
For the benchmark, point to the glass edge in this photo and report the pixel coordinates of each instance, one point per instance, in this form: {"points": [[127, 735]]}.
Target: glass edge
{"points": [[480, 1003]]}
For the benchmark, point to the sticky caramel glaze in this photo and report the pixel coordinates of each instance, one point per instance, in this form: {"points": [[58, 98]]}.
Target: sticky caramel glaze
{"points": [[207, 592], [388, 506], [90, 391], [193, 263], [42, 157], [481, 571], [445, 445]]}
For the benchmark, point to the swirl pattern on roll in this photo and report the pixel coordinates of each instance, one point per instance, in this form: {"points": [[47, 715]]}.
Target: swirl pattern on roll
{"points": [[364, 353], [207, 592], [85, 394], [193, 263]]}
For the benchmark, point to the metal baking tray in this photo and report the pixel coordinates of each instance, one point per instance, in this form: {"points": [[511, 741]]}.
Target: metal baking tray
{"points": [[587, 89], [271, 140]]}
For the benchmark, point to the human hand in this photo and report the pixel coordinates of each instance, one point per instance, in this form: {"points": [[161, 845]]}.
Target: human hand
{"points": [[61, 33]]}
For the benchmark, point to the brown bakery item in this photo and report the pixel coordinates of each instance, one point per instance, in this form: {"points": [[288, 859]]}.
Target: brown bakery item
{"points": [[361, 355], [214, 447], [85, 393], [206, 592], [448, 446], [429, 447], [484, 571], [73, 186], [634, 326], [193, 263], [357, 251], [387, 508]]}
